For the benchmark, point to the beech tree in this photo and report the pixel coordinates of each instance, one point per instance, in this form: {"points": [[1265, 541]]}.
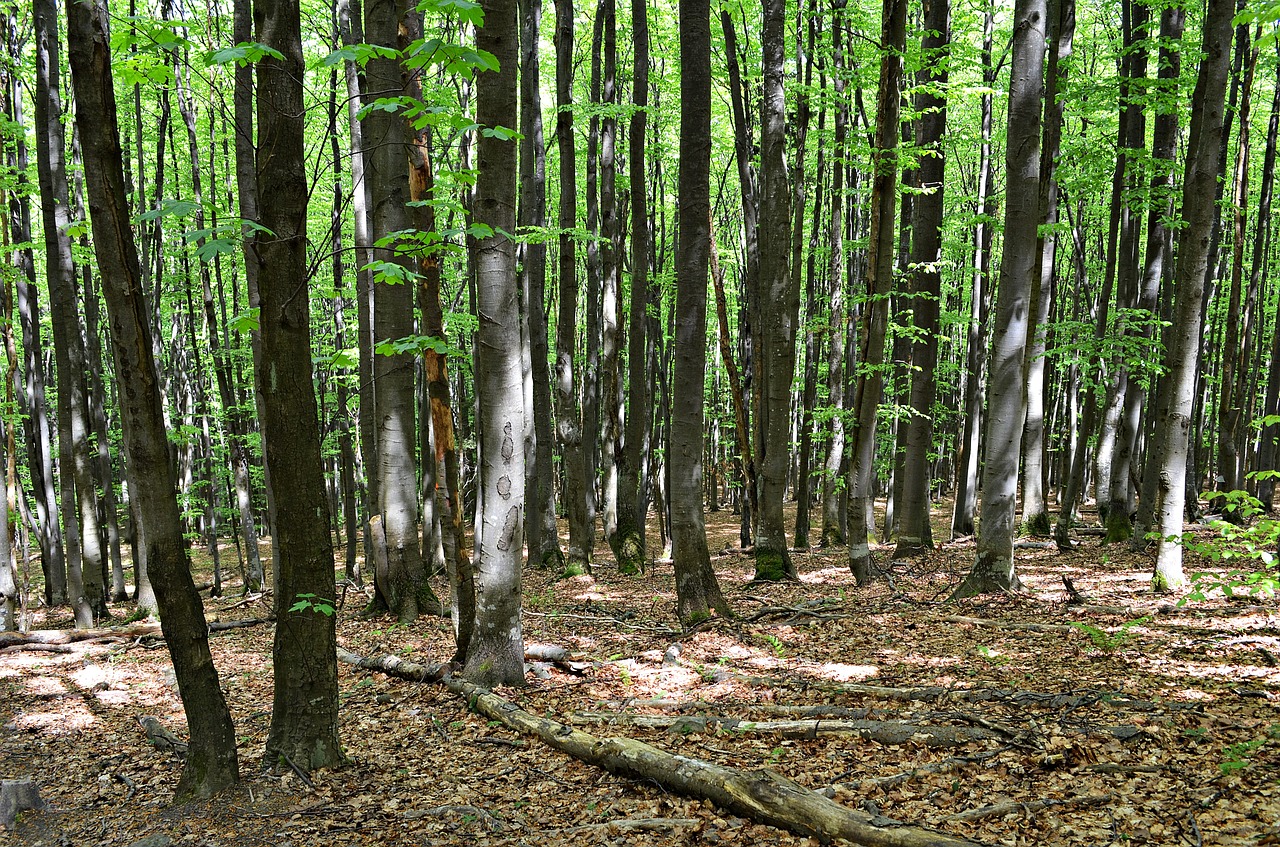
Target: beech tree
{"points": [[210, 764]]}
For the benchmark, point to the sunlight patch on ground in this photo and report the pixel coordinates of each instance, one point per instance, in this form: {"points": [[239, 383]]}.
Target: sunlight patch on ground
{"points": [[46, 686], [72, 716], [826, 576], [840, 672], [1182, 669]]}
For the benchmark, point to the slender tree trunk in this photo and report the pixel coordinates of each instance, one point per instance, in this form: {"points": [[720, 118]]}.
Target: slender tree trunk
{"points": [[812, 341], [568, 418], [1271, 402], [1035, 508], [993, 568], [1163, 148], [39, 447], [1182, 356], [915, 532], [778, 330], [629, 547], [304, 718], [875, 314], [496, 652], [210, 764], [1230, 395], [837, 320], [79, 494], [962, 523], [541, 535], [697, 591]]}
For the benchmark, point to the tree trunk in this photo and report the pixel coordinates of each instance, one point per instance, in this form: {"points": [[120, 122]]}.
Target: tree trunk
{"points": [[629, 540], [1182, 356], [496, 653], [211, 758], [993, 569], [304, 721], [778, 329], [542, 537], [915, 532], [405, 592], [79, 494], [1035, 508], [875, 314], [980, 304], [697, 591], [568, 418], [1163, 149]]}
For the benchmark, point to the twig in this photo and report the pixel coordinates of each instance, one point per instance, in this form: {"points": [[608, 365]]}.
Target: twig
{"points": [[1000, 809]]}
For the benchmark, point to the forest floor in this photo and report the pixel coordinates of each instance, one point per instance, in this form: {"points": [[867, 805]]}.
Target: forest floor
{"points": [[1148, 724]]}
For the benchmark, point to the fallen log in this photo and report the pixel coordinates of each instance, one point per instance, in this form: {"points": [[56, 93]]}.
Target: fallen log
{"points": [[881, 732], [142, 629], [760, 795]]}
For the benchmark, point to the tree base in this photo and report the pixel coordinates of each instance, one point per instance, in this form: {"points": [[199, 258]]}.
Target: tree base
{"points": [[1037, 525], [774, 565], [629, 551]]}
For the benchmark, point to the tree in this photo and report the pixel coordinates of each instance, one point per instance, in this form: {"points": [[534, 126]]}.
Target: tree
{"points": [[915, 532], [993, 568], [697, 591], [304, 716], [79, 495], [496, 653], [210, 764], [875, 313], [1173, 424], [630, 538], [401, 582], [541, 534], [778, 353]]}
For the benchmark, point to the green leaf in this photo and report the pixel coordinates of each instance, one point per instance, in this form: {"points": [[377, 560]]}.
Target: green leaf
{"points": [[246, 321], [244, 53]]}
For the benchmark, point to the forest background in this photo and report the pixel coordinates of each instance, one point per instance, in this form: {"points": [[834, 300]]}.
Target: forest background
{"points": [[355, 279]]}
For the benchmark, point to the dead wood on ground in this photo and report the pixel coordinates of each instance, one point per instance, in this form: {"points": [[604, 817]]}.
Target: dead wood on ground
{"points": [[760, 795]]}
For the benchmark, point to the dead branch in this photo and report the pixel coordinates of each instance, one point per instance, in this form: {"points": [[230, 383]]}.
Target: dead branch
{"points": [[1012, 807], [760, 795], [944, 766], [635, 825], [881, 732]]}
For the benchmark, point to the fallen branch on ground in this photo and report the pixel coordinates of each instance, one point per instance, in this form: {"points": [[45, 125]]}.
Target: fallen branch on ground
{"points": [[1011, 807], [760, 795], [882, 732]]}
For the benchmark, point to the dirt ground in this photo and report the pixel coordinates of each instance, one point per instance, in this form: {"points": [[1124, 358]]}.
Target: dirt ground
{"points": [[1148, 723]]}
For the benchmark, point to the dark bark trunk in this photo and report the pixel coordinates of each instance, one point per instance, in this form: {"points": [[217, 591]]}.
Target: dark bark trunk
{"points": [[778, 330], [915, 532], [697, 591], [873, 327], [79, 494], [211, 758], [304, 718], [541, 535]]}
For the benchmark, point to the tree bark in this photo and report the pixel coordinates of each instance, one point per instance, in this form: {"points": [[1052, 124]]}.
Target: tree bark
{"points": [[993, 568], [629, 540], [496, 653], [697, 591], [211, 759], [1182, 356], [569, 418], [914, 530], [304, 719], [778, 330], [875, 314]]}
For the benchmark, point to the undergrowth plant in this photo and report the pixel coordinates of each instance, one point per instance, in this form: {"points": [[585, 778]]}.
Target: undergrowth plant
{"points": [[1110, 642], [1248, 550]]}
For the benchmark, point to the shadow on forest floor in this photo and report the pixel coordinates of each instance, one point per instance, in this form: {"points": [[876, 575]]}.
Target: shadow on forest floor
{"points": [[1026, 720]]}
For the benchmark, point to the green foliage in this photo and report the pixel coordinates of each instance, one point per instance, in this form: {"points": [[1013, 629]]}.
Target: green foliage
{"points": [[244, 53], [1248, 552], [1110, 642], [775, 643], [312, 603], [1240, 755]]}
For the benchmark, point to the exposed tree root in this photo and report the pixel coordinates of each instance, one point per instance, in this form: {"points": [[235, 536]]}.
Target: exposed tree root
{"points": [[759, 795], [1001, 809]]}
